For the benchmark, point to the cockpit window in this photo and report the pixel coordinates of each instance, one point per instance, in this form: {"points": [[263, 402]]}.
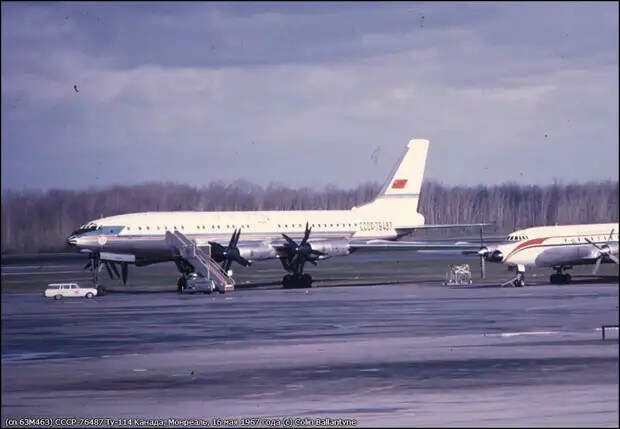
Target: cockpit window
{"points": [[84, 228]]}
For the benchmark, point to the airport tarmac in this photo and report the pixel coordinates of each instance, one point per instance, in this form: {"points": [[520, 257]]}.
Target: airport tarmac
{"points": [[407, 354]]}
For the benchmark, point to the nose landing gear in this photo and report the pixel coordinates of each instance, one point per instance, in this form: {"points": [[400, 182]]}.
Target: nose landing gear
{"points": [[519, 280]]}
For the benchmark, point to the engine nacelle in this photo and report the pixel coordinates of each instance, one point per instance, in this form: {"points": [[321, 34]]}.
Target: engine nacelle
{"points": [[331, 247], [257, 252]]}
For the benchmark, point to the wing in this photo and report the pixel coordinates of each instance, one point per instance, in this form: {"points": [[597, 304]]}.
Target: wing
{"points": [[450, 225], [414, 245]]}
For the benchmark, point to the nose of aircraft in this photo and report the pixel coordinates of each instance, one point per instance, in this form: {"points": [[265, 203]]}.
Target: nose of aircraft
{"points": [[72, 240]]}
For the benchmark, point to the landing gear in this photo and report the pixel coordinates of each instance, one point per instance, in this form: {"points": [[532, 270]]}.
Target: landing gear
{"points": [[560, 278], [519, 280], [291, 281], [185, 268], [181, 284]]}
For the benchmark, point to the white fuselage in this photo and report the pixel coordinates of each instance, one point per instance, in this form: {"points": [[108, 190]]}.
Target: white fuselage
{"points": [[145, 232], [549, 246], [392, 212]]}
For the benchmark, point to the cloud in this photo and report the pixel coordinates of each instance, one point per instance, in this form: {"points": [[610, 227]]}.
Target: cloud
{"points": [[305, 97]]}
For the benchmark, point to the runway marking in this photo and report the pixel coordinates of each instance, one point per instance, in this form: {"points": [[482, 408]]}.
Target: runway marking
{"points": [[294, 386], [612, 328], [259, 395], [370, 370], [512, 334], [139, 370], [378, 389]]}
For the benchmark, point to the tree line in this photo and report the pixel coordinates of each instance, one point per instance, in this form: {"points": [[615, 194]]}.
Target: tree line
{"points": [[39, 221]]}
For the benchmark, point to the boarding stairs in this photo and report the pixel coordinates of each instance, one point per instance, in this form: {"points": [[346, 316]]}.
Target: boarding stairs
{"points": [[201, 260]]}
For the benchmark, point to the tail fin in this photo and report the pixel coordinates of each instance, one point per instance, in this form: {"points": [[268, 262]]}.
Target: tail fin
{"points": [[406, 178], [398, 199]]}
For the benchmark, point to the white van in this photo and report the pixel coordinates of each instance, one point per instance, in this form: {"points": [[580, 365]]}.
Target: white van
{"points": [[60, 290]]}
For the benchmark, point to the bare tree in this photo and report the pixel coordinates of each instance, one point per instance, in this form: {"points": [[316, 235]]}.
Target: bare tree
{"points": [[36, 221]]}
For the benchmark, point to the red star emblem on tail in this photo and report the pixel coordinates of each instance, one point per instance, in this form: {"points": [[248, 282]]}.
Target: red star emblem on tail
{"points": [[399, 184]]}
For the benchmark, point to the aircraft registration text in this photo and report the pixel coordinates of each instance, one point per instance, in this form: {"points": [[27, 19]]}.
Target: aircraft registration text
{"points": [[375, 226]]}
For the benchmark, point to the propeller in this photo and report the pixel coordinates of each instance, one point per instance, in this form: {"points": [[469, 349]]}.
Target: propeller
{"points": [[483, 252], [301, 252], [604, 252], [231, 252]]}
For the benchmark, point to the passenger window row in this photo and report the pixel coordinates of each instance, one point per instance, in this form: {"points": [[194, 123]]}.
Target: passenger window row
{"points": [[203, 227]]}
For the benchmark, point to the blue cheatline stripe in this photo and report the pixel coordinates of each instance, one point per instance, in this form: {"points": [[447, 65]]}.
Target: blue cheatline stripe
{"points": [[249, 236]]}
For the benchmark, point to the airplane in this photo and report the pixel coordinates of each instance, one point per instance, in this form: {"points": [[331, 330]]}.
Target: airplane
{"points": [[559, 247], [293, 237]]}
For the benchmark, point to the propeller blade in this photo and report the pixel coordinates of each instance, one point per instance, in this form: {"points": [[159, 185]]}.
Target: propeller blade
{"points": [[613, 258], [306, 233], [118, 276], [107, 267], [238, 235], [294, 259], [592, 243], [124, 271], [231, 243], [288, 239], [598, 265], [317, 252], [611, 235]]}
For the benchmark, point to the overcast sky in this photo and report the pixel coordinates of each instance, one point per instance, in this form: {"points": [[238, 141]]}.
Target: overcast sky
{"points": [[307, 94]]}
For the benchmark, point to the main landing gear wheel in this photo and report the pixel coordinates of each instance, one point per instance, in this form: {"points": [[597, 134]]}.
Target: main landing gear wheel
{"points": [[291, 281], [100, 290], [560, 279], [181, 284]]}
